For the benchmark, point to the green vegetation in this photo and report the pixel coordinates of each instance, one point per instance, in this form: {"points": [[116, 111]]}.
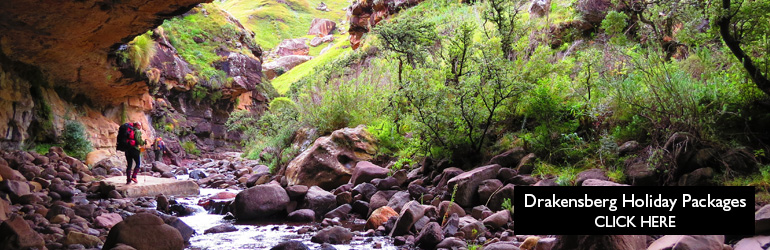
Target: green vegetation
{"points": [[272, 21], [139, 52], [75, 140], [190, 148], [466, 81]]}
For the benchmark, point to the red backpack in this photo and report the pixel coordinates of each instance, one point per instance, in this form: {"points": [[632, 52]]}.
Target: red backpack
{"points": [[126, 137]]}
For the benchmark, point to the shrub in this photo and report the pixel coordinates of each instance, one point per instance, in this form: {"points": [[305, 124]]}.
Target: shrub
{"points": [[190, 148], [75, 140], [140, 51]]}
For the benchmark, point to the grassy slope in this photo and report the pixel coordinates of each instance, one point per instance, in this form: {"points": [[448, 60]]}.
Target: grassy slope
{"points": [[273, 21], [283, 82]]}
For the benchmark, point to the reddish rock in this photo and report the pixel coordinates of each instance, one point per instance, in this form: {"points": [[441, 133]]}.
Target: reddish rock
{"points": [[333, 235], [261, 201], [320, 40], [288, 47], [380, 216], [410, 214], [330, 162], [321, 27], [449, 208], [467, 184], [510, 158], [587, 242], [319, 200], [144, 231], [107, 220], [498, 219], [756, 242], [302, 215], [594, 173], [688, 242], [366, 171], [430, 236], [15, 233], [487, 188]]}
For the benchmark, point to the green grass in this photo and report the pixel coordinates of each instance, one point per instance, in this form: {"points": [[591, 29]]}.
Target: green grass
{"points": [[283, 82], [273, 21], [216, 31]]}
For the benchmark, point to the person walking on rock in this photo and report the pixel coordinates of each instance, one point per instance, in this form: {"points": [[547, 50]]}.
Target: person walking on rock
{"points": [[134, 152], [159, 147]]}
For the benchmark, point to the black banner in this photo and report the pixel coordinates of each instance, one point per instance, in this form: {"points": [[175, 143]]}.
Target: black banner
{"points": [[633, 210]]}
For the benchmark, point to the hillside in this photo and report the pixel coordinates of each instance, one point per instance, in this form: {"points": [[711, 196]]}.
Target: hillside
{"points": [[577, 84]]}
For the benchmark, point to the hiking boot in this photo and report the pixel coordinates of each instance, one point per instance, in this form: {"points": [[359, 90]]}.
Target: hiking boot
{"points": [[128, 182], [134, 180]]}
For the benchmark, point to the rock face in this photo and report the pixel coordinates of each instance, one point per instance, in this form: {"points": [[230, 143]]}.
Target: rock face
{"points": [[70, 48], [321, 27], [467, 184], [144, 231], [331, 160], [260, 201], [364, 15]]}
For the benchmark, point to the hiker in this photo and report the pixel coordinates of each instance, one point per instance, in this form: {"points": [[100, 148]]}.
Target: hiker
{"points": [[159, 147], [130, 141]]}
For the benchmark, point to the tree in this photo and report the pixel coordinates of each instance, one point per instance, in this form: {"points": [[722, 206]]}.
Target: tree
{"points": [[503, 14], [742, 25], [410, 39]]}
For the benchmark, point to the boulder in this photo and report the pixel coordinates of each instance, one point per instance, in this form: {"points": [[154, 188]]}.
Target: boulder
{"points": [[64, 191], [161, 167], [471, 227], [487, 188], [467, 184], [223, 228], [526, 164], [86, 240], [380, 216], [15, 233], [340, 212], [594, 173], [366, 189], [320, 40], [5, 209], [290, 245], [628, 148], [8, 173], [430, 236], [501, 245], [185, 230], [96, 156], [410, 214], [321, 27], [344, 198], [282, 64], [302, 215], [448, 208], [85, 210], [365, 171], [295, 46], [381, 198], [162, 202], [331, 160], [688, 242], [451, 243], [262, 201], [510, 158], [296, 192], [756, 242], [398, 200], [496, 200], [762, 221], [14, 189], [595, 182], [144, 231], [451, 225], [698, 177], [497, 220], [540, 8], [319, 200], [588, 242], [333, 235], [641, 174]]}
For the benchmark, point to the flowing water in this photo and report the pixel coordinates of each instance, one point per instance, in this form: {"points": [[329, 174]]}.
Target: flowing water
{"points": [[262, 235]]}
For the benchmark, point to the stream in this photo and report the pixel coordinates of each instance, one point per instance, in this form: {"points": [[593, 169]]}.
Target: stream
{"points": [[260, 235]]}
